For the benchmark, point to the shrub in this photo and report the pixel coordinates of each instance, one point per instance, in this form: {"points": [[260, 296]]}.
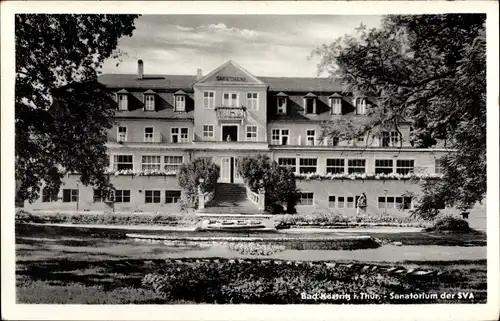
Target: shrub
{"points": [[255, 248], [189, 179], [258, 282], [334, 219], [279, 183], [450, 223], [109, 219]]}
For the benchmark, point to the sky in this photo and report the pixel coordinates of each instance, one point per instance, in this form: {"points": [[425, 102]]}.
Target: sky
{"points": [[265, 45]]}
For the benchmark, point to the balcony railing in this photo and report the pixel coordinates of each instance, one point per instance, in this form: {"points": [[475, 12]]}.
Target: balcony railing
{"points": [[230, 113]]}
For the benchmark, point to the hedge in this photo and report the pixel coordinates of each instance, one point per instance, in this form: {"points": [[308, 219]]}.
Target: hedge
{"points": [[108, 218], [326, 219], [255, 282]]}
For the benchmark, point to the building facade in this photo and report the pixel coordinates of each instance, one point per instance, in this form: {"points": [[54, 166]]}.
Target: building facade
{"points": [[164, 121]]}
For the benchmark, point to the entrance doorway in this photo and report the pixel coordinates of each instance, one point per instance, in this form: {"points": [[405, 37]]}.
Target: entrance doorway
{"points": [[229, 133], [229, 170]]}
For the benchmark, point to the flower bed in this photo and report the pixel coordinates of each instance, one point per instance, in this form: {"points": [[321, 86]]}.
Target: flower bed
{"points": [[333, 220], [108, 218], [254, 281], [366, 176]]}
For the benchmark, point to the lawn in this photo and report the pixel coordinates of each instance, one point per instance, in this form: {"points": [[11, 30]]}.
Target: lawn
{"points": [[75, 265]]}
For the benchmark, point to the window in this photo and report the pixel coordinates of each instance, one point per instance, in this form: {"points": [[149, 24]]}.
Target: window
{"points": [[208, 131], [49, 196], [288, 162], [100, 196], [70, 195], [208, 100], [172, 163], [341, 202], [148, 134], [333, 141], [331, 201], [252, 101], [335, 166], [179, 135], [206, 159], [404, 166], [172, 196], [180, 103], [308, 165], [152, 196], [122, 102], [306, 198], [400, 202], [151, 163], [122, 162], [356, 166], [310, 105], [310, 137], [350, 202], [282, 105], [360, 139], [122, 134], [230, 99], [383, 166], [390, 139], [122, 196], [336, 106], [251, 133], [438, 166], [280, 136], [149, 102], [360, 104]]}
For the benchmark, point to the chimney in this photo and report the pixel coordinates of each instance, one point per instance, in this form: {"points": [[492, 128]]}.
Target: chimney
{"points": [[199, 74], [140, 69]]}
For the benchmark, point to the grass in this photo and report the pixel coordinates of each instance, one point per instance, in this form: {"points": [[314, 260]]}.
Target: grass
{"points": [[101, 266]]}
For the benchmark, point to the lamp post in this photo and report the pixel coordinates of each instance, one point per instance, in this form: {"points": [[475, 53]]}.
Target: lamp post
{"points": [[385, 201], [78, 195]]}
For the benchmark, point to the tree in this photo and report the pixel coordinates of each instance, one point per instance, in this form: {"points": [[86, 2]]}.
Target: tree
{"points": [[429, 70], [279, 183], [61, 113], [189, 179]]}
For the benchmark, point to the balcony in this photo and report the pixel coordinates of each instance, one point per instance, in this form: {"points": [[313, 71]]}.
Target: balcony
{"points": [[230, 113]]}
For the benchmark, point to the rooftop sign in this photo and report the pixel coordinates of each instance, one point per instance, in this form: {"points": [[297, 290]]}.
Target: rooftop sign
{"points": [[229, 78]]}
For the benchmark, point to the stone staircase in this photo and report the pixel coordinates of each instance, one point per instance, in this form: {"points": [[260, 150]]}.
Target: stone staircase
{"points": [[230, 199]]}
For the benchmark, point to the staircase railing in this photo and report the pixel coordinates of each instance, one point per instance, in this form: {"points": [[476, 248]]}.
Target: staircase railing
{"points": [[256, 198]]}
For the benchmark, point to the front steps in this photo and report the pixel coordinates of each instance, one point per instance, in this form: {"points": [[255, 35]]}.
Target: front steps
{"points": [[230, 199]]}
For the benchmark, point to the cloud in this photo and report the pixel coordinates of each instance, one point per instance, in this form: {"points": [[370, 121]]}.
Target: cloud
{"points": [[265, 45]]}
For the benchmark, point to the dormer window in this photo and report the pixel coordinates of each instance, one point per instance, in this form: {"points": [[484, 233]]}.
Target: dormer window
{"points": [[122, 98], [149, 100], [282, 101], [310, 103], [336, 104], [180, 100], [360, 104]]}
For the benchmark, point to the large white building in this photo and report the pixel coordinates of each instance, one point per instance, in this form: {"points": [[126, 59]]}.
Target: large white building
{"points": [[163, 121]]}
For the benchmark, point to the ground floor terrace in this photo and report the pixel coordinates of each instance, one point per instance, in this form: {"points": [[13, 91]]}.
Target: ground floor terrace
{"points": [[329, 180]]}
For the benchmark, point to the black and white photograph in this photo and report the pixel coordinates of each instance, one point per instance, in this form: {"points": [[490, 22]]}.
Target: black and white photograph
{"points": [[163, 157]]}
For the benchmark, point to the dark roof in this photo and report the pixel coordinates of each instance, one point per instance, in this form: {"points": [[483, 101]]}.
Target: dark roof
{"points": [[154, 82], [186, 82]]}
